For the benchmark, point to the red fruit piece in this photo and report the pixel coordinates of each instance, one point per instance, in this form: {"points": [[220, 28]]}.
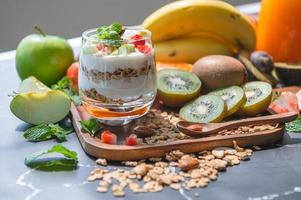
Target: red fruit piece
{"points": [[108, 137], [298, 95], [291, 100], [278, 107], [100, 47], [287, 102], [131, 140], [144, 48], [138, 40], [72, 74]]}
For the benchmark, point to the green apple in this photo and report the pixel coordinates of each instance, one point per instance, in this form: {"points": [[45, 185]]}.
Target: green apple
{"points": [[36, 104], [46, 57]]}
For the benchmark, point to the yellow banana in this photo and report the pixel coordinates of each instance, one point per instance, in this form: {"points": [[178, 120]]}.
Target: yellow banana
{"points": [[189, 49], [209, 16]]}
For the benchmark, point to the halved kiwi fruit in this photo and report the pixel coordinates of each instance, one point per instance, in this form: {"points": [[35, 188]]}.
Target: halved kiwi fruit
{"points": [[259, 95], [234, 97], [207, 108], [176, 87]]}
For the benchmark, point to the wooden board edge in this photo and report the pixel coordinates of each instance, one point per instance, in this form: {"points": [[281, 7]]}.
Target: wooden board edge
{"points": [[93, 147]]}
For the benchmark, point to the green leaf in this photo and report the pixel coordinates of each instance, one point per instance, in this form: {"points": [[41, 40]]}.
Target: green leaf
{"points": [[110, 34], [59, 132], [116, 26], [62, 84], [38, 133], [44, 132], [90, 126], [42, 160], [294, 126], [73, 96]]}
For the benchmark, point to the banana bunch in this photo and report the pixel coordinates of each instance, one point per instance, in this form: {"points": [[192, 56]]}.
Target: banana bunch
{"points": [[185, 30]]}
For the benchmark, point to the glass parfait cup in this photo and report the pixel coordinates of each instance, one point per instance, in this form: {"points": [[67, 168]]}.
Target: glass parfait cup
{"points": [[117, 85]]}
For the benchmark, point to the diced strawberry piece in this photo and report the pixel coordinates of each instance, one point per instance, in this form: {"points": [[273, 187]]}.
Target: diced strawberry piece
{"points": [[108, 137], [72, 74], [100, 47], [290, 99], [131, 140], [277, 107], [144, 48], [138, 40], [287, 102], [298, 95]]}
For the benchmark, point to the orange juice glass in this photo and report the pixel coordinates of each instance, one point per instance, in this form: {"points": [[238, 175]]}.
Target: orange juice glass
{"points": [[279, 29]]}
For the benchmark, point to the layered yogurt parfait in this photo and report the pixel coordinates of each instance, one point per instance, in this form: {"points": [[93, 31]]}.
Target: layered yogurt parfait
{"points": [[117, 76]]}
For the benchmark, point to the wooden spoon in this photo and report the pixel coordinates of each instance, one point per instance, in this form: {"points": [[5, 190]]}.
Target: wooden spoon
{"points": [[203, 129]]}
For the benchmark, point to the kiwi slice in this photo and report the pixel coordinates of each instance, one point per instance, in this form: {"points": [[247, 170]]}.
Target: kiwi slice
{"points": [[234, 97], [207, 108], [176, 87], [259, 95]]}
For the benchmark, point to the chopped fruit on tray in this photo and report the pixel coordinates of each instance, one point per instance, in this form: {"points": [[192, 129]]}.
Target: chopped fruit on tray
{"points": [[259, 95], [72, 74], [132, 140], [286, 102], [108, 137], [176, 87], [298, 95]]}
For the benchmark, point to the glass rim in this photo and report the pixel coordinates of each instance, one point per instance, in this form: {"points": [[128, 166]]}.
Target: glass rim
{"points": [[88, 33]]}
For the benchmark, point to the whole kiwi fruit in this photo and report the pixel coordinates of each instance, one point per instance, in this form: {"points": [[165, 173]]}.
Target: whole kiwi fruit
{"points": [[217, 71]]}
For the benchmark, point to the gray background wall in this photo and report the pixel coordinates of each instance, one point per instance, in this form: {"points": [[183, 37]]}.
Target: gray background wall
{"points": [[68, 18]]}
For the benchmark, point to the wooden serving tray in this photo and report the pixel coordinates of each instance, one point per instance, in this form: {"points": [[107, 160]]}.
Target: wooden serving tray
{"points": [[94, 147]]}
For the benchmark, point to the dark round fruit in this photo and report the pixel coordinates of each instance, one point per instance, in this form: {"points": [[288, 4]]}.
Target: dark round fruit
{"points": [[207, 108], [262, 61], [234, 96], [176, 87]]}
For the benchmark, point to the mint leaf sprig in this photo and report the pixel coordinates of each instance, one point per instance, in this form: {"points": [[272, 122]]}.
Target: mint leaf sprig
{"points": [[44, 132], [64, 85], [42, 160], [91, 126], [111, 35]]}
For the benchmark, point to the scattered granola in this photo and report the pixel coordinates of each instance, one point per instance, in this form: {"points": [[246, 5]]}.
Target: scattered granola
{"points": [[143, 131], [199, 170], [160, 127], [101, 161], [187, 163]]}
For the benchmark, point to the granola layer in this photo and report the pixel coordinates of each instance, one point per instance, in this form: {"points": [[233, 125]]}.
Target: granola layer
{"points": [[118, 74]]}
